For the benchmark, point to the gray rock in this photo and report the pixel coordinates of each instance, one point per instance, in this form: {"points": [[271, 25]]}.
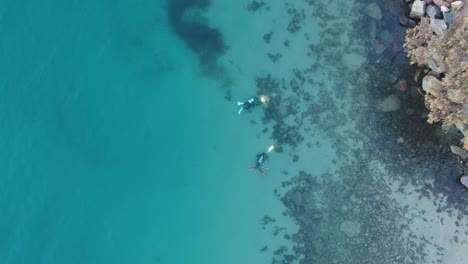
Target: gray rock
{"points": [[432, 85], [458, 151], [456, 5], [373, 11], [462, 128], [417, 10], [449, 18], [434, 73], [438, 26], [386, 37], [464, 180], [441, 3], [406, 22], [433, 11]]}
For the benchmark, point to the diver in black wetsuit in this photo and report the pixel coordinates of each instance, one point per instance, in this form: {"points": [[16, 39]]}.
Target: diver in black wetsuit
{"points": [[252, 102], [260, 165]]}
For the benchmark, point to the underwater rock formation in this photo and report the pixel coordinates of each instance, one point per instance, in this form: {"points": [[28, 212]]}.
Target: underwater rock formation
{"points": [[373, 11], [389, 104]]}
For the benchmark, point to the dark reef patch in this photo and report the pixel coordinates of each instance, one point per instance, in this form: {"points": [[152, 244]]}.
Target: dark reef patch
{"points": [[205, 41]]}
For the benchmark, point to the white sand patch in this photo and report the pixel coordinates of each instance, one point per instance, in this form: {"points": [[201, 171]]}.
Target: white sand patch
{"points": [[444, 233], [354, 60]]}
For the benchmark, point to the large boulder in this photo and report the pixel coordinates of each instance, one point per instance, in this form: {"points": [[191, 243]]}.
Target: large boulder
{"points": [[433, 11], [438, 26], [457, 5], [464, 181], [432, 85], [418, 9], [406, 22], [441, 3], [449, 18], [373, 11]]}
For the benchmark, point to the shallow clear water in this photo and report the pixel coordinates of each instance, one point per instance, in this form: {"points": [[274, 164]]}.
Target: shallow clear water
{"points": [[117, 144]]}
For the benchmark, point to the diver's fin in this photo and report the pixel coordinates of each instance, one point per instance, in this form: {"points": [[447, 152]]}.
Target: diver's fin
{"points": [[253, 169], [240, 103], [242, 108]]}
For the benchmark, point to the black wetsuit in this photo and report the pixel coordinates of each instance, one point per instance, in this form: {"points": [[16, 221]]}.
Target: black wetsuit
{"points": [[254, 101], [261, 158]]}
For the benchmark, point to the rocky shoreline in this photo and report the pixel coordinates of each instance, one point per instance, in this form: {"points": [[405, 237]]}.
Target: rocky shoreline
{"points": [[437, 42]]}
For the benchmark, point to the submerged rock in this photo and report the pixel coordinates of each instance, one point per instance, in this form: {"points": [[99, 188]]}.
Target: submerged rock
{"points": [[373, 11], [389, 104], [386, 37], [378, 46], [417, 10], [464, 181], [458, 151], [406, 22], [402, 85]]}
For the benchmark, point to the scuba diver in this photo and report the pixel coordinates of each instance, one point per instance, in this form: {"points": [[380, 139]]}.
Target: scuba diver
{"points": [[252, 102], [260, 165]]}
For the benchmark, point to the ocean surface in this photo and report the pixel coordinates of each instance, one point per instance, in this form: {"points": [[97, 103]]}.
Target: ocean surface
{"points": [[120, 140]]}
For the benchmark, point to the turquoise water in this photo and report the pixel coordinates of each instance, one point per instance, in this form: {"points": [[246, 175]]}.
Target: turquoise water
{"points": [[117, 143], [115, 147]]}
